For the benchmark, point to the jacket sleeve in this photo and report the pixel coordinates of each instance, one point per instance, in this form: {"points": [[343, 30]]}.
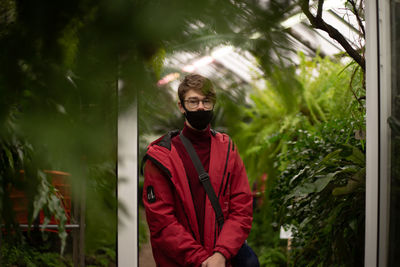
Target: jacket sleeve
{"points": [[168, 235], [237, 225]]}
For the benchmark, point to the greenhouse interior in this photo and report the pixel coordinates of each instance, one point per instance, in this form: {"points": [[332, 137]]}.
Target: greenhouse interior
{"points": [[306, 90]]}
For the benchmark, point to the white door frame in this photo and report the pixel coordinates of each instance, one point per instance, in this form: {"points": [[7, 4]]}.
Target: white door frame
{"points": [[127, 249], [378, 103]]}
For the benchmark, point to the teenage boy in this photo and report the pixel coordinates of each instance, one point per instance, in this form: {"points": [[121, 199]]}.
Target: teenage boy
{"points": [[183, 226]]}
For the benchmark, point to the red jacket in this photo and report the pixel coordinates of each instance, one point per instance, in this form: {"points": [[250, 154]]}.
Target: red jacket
{"points": [[170, 212]]}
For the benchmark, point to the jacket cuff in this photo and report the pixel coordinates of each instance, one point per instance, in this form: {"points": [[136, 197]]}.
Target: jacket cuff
{"points": [[224, 252], [203, 259]]}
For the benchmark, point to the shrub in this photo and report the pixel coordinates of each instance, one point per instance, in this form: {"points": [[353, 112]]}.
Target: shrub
{"points": [[320, 194]]}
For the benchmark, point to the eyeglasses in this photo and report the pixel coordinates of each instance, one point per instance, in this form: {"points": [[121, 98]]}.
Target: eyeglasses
{"points": [[193, 103]]}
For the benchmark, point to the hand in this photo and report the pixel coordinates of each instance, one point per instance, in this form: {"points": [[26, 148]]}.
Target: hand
{"points": [[216, 260]]}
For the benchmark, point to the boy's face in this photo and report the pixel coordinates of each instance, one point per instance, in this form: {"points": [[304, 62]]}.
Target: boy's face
{"points": [[195, 101]]}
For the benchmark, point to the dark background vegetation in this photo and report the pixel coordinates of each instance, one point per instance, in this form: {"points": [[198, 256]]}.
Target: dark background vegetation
{"points": [[59, 70]]}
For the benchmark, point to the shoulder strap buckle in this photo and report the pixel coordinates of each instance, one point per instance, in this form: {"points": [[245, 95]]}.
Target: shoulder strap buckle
{"points": [[204, 177]]}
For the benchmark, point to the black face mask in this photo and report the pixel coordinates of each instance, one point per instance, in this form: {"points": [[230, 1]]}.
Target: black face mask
{"points": [[199, 119]]}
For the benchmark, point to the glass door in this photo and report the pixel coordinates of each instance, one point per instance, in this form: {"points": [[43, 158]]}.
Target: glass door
{"points": [[394, 122]]}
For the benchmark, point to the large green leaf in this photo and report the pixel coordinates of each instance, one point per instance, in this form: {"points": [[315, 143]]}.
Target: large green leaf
{"points": [[317, 186], [355, 181]]}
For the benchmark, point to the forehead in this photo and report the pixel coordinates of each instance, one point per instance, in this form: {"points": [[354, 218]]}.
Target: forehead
{"points": [[194, 94]]}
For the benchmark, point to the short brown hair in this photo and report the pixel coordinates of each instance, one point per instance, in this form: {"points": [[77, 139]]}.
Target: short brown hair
{"points": [[198, 83]]}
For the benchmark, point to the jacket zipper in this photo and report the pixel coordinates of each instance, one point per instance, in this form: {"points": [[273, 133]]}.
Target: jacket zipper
{"points": [[226, 165]]}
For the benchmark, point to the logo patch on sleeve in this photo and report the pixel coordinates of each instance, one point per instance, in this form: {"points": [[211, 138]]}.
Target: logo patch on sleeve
{"points": [[151, 196]]}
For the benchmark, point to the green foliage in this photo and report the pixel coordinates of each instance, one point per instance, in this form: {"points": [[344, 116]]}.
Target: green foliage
{"points": [[264, 238], [61, 70], [101, 220], [59, 79], [29, 256], [300, 131], [19, 171], [320, 195], [104, 256], [318, 92], [15, 155], [49, 201], [272, 257], [231, 100], [59, 110]]}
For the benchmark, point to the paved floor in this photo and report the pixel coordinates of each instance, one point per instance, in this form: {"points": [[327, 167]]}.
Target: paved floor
{"points": [[145, 254]]}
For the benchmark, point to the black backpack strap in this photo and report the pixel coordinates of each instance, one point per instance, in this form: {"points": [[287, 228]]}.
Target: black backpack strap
{"points": [[204, 179]]}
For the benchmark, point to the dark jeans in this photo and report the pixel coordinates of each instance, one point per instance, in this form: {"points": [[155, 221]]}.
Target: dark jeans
{"points": [[245, 257]]}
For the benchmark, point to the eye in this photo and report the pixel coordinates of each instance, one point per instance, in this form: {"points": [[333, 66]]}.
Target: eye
{"points": [[207, 101], [193, 101]]}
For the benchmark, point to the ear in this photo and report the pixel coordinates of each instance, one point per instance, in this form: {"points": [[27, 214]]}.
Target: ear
{"points": [[181, 109]]}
